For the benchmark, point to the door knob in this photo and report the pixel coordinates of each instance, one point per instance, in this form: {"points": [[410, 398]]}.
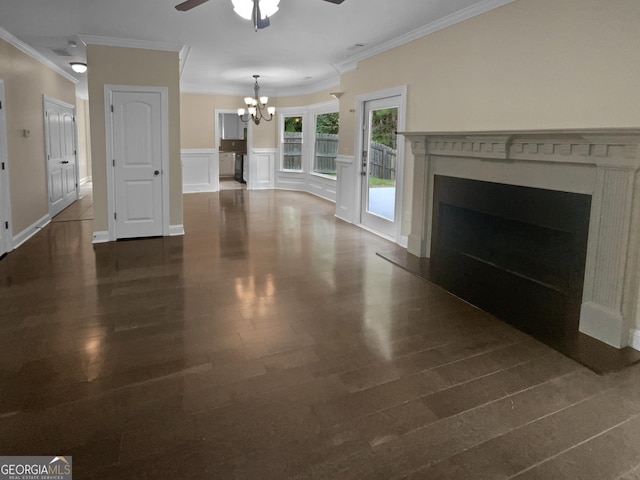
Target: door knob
{"points": [[157, 172], [65, 161]]}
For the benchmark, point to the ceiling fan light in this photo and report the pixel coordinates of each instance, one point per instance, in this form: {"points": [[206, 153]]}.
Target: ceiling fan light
{"points": [[268, 7], [243, 8]]}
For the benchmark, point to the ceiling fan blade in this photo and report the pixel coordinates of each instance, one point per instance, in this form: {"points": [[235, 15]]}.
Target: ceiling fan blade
{"points": [[189, 4], [337, 2]]}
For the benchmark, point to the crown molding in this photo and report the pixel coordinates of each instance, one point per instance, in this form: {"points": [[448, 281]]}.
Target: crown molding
{"points": [[334, 81], [351, 62], [33, 53], [130, 43]]}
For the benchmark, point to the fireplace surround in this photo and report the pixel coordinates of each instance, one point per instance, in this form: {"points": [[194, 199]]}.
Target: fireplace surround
{"points": [[601, 163]]}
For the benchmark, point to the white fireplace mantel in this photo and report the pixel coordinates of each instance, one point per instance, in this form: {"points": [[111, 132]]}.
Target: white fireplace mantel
{"points": [[600, 163]]}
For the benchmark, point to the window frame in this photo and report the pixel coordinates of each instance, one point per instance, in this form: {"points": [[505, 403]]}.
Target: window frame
{"points": [[308, 114]]}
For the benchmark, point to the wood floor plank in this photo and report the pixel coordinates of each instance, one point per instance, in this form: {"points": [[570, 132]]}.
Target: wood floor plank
{"points": [[272, 342]]}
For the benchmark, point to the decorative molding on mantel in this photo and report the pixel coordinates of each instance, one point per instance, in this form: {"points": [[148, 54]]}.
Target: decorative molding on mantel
{"points": [[603, 163], [617, 147]]}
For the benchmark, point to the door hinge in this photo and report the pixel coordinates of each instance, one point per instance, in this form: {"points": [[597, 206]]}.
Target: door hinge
{"points": [[75, 152], [114, 162], [6, 225], [0, 105], [115, 216], [3, 165], [111, 108]]}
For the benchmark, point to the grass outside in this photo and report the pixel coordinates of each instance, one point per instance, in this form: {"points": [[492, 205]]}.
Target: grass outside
{"points": [[381, 182]]}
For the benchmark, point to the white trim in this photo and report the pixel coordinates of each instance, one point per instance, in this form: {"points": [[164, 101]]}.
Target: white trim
{"points": [[60, 103], [85, 180], [603, 323], [5, 213], [212, 183], [403, 241], [176, 230], [31, 230], [33, 53], [634, 339], [400, 91], [101, 237], [130, 43], [109, 90], [474, 10]]}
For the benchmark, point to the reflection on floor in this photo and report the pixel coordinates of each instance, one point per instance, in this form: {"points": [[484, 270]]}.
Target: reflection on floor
{"points": [[227, 183], [592, 353], [80, 210], [271, 342]]}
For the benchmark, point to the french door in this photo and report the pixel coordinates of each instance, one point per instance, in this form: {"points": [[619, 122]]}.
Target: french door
{"points": [[380, 195], [60, 145]]}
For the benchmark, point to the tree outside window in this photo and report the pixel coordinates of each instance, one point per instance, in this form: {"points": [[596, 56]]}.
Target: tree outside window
{"points": [[326, 143]]}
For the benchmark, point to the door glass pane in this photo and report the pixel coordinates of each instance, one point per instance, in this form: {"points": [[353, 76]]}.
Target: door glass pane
{"points": [[381, 176], [292, 143], [326, 146]]}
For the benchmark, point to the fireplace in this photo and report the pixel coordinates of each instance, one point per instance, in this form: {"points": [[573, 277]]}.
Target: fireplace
{"points": [[590, 177], [516, 252]]}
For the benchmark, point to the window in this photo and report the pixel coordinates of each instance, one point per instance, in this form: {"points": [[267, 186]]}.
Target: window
{"points": [[326, 143], [292, 143]]}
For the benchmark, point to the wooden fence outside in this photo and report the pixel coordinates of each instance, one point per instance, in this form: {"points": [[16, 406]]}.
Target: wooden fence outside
{"points": [[382, 159]]}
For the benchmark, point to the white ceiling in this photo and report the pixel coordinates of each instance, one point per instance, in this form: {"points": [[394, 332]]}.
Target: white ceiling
{"points": [[307, 46]]}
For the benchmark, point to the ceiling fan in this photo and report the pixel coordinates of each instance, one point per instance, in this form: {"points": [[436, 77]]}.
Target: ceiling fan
{"points": [[259, 21]]}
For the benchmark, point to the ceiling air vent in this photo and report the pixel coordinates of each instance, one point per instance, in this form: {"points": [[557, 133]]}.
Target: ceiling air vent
{"points": [[61, 52], [355, 46]]}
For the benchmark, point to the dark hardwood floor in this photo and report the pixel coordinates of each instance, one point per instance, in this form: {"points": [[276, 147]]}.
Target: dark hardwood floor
{"points": [[271, 342]]}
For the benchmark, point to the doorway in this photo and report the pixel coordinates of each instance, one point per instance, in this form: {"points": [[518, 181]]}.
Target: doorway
{"points": [[137, 143], [60, 149], [381, 164], [5, 205]]}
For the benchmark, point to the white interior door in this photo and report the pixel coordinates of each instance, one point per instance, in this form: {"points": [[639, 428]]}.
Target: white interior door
{"points": [[380, 193], [60, 140], [138, 152], [5, 232]]}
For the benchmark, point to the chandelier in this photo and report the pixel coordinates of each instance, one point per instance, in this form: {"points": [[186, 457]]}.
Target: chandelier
{"points": [[257, 10], [256, 106]]}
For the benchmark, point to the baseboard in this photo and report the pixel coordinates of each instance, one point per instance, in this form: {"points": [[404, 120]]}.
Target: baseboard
{"points": [[101, 237], [176, 230], [30, 231], [403, 241], [86, 180], [603, 324], [198, 188], [634, 339]]}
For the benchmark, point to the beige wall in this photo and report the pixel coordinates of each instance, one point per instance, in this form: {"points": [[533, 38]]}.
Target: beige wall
{"points": [[84, 139], [532, 64], [26, 80], [198, 122], [131, 66]]}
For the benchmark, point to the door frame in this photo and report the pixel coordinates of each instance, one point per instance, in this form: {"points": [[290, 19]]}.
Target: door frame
{"points": [[46, 99], [400, 91], [218, 138], [5, 212], [109, 90]]}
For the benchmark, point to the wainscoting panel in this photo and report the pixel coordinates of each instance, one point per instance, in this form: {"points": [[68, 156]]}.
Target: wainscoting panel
{"points": [[346, 188], [262, 163], [200, 170]]}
